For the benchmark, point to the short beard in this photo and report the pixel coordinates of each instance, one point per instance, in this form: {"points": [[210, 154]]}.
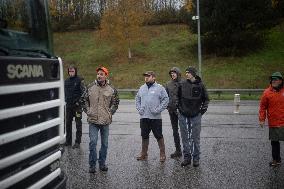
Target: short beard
{"points": [[101, 83], [277, 88]]}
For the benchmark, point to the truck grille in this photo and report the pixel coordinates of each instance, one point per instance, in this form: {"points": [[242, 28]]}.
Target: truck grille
{"points": [[31, 120], [27, 120], [21, 99]]}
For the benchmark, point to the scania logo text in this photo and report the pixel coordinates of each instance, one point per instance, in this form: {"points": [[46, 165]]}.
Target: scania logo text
{"points": [[20, 71]]}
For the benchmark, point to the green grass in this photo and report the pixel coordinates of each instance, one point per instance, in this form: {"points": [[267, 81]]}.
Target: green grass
{"points": [[163, 47]]}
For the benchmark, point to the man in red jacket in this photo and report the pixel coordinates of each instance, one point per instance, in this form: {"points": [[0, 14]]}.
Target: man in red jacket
{"points": [[272, 107]]}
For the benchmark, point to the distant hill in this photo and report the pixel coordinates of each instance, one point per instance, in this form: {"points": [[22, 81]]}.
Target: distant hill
{"points": [[163, 47]]}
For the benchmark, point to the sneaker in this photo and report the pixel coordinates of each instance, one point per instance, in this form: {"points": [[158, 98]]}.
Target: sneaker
{"points": [[195, 163], [103, 168], [275, 163], [186, 162], [92, 170], [176, 154], [76, 145]]}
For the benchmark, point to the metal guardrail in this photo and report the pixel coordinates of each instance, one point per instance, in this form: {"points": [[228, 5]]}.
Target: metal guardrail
{"points": [[219, 92], [211, 91]]}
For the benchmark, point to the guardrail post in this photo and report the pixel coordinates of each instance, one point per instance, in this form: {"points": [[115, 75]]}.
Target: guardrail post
{"points": [[219, 94], [237, 101]]}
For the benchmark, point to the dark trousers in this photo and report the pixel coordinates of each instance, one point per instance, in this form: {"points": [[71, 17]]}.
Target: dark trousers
{"points": [[70, 114], [148, 125], [275, 150], [174, 122]]}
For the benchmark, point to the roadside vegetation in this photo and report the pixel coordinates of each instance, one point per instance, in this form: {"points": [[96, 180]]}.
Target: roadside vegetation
{"points": [[242, 40], [162, 47]]}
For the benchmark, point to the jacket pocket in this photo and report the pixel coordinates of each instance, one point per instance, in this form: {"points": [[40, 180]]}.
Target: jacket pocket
{"points": [[155, 110], [196, 92]]}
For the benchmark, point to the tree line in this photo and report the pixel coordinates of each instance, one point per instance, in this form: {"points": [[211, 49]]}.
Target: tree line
{"points": [[87, 14], [233, 27]]}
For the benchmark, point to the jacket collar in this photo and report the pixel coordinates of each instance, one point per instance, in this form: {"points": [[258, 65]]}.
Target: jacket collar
{"points": [[106, 83]]}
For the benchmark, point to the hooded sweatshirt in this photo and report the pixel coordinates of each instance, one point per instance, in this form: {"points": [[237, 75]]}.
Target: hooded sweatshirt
{"points": [[172, 90], [73, 90]]}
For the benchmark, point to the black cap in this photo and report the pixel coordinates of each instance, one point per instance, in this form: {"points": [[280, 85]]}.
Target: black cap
{"points": [[191, 70]]}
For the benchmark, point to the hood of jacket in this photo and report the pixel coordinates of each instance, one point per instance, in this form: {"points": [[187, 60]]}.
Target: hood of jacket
{"points": [[75, 68], [177, 70]]}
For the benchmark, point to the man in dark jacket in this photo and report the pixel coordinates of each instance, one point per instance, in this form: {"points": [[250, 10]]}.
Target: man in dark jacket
{"points": [[73, 91], [172, 90], [193, 103]]}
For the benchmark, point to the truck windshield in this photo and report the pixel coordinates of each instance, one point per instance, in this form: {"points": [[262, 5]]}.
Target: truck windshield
{"points": [[25, 28]]}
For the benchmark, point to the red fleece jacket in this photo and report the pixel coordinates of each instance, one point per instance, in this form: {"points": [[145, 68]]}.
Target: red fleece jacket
{"points": [[272, 107]]}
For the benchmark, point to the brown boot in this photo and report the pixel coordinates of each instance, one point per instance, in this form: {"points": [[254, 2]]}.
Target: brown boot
{"points": [[144, 153], [162, 150]]}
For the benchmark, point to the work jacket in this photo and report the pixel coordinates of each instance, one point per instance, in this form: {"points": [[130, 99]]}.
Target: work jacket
{"points": [[100, 103], [193, 97]]}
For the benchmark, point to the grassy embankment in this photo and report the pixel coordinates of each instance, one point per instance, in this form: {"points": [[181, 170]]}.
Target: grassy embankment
{"points": [[164, 47]]}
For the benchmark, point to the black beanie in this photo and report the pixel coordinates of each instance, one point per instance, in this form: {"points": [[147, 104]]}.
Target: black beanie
{"points": [[191, 70]]}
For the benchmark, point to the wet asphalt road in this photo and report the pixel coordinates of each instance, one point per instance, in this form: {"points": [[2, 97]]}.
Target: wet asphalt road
{"points": [[235, 153]]}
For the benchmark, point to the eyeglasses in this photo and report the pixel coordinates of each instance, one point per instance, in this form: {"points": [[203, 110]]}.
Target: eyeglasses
{"points": [[71, 71], [275, 79]]}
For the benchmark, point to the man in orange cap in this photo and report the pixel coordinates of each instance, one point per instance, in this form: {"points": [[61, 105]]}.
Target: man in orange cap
{"points": [[101, 102]]}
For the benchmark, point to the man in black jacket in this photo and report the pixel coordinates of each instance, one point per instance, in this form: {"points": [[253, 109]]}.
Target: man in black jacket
{"points": [[193, 103], [172, 90], [73, 92]]}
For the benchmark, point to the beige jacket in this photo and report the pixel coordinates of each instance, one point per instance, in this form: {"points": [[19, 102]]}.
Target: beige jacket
{"points": [[101, 102]]}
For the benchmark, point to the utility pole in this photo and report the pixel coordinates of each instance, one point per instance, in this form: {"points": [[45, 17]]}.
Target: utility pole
{"points": [[199, 41], [197, 17]]}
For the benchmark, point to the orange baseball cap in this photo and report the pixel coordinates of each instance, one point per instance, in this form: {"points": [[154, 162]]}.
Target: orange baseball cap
{"points": [[103, 69]]}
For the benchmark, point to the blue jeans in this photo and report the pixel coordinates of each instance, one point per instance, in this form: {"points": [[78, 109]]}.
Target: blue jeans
{"points": [[93, 134], [190, 128]]}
